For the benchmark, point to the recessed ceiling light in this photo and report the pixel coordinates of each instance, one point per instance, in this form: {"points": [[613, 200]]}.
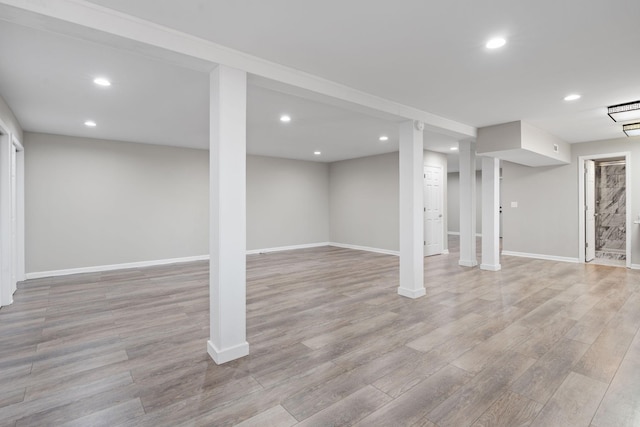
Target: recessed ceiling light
{"points": [[384, 138], [317, 153], [572, 97], [495, 43], [285, 118], [101, 81], [90, 123], [453, 148]]}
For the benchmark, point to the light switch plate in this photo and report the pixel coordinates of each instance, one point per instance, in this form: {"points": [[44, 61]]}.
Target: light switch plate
{"points": [[514, 204]]}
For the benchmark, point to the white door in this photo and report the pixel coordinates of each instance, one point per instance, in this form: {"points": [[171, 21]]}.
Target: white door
{"points": [[590, 210], [433, 221]]}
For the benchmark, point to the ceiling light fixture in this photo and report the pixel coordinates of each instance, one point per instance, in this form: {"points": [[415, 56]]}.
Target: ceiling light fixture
{"points": [[632, 129], [624, 112], [453, 148], [101, 81], [384, 138], [90, 123], [285, 119], [572, 97], [317, 153], [496, 43]]}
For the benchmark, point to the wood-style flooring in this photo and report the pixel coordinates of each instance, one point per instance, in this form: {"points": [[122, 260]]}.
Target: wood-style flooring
{"points": [[539, 343]]}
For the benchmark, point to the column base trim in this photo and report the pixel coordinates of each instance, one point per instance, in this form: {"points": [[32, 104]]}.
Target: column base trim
{"points": [[468, 263], [229, 354], [412, 293], [490, 267]]}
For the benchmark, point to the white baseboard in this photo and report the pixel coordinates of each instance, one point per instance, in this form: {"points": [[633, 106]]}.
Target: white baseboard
{"points": [[111, 267], [365, 248], [287, 248], [540, 256], [457, 233], [635, 266], [445, 252], [141, 264]]}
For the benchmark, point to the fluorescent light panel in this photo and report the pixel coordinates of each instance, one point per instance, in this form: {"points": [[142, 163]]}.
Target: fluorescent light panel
{"points": [[625, 112], [632, 129]]}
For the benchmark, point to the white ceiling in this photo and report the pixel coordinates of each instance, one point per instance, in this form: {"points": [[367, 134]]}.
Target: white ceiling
{"points": [[426, 54]]}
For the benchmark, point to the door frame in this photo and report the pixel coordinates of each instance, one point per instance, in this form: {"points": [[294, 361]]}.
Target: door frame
{"points": [[12, 220], [442, 208], [581, 201], [19, 249]]}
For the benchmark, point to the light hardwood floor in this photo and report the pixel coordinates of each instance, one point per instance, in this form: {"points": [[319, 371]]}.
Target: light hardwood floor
{"points": [[539, 343]]}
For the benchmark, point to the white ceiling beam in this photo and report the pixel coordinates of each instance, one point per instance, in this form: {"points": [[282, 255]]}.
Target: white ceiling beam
{"points": [[79, 18]]}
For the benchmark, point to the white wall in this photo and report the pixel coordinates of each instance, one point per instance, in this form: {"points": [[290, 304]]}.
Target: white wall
{"points": [[287, 202], [364, 200]]}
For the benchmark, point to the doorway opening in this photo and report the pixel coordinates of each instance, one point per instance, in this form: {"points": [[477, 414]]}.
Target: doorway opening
{"points": [[605, 218]]}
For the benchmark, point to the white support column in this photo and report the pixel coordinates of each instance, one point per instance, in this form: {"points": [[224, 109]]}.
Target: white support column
{"points": [[490, 214], [6, 249], [411, 210], [467, 150], [227, 235], [20, 252]]}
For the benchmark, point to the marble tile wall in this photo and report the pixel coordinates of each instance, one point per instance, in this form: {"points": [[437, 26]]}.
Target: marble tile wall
{"points": [[611, 209]]}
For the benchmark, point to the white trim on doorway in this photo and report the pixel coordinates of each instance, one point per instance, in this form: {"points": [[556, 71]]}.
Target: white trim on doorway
{"points": [[581, 201], [20, 211], [8, 227]]}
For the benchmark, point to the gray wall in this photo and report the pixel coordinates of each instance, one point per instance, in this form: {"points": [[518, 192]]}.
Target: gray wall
{"points": [[94, 202], [546, 219], [364, 200], [287, 202], [453, 205]]}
